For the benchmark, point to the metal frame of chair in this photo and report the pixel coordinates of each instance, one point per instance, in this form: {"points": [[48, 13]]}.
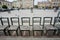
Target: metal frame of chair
{"points": [[12, 24], [49, 31], [37, 21], [6, 26], [56, 20], [25, 21]]}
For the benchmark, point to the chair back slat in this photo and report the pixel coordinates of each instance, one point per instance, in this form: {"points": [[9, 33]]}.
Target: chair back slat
{"points": [[57, 22], [47, 20], [25, 20], [15, 21], [5, 20], [36, 20]]}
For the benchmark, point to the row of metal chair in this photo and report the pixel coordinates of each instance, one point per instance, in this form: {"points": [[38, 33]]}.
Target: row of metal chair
{"points": [[26, 29]]}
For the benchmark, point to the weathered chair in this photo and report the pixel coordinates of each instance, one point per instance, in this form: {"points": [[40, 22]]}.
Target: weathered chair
{"points": [[4, 24], [25, 27], [57, 24], [50, 29], [14, 25], [37, 27]]}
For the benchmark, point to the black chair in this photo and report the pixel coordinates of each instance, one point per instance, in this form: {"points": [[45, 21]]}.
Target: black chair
{"points": [[37, 27], [4, 24], [25, 27], [57, 24], [50, 29], [14, 25]]}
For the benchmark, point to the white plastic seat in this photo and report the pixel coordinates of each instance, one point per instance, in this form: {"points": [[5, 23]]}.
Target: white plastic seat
{"points": [[13, 27], [26, 27], [37, 27], [2, 27]]}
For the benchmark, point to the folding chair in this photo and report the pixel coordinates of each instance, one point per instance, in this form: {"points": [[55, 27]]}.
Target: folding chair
{"points": [[57, 24], [37, 27], [4, 24], [14, 25], [50, 29], [25, 27]]}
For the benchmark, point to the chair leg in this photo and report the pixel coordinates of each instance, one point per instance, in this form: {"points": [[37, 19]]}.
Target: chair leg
{"points": [[54, 32], [58, 32], [21, 33], [17, 32], [33, 32], [5, 33], [19, 28], [46, 33], [41, 32], [29, 33], [9, 33]]}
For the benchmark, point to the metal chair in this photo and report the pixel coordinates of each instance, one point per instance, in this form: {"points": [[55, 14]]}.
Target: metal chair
{"points": [[50, 29], [25, 27], [14, 25], [4, 24], [37, 27], [57, 24]]}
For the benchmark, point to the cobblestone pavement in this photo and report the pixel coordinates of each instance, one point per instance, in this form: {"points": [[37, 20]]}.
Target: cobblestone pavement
{"points": [[27, 38]]}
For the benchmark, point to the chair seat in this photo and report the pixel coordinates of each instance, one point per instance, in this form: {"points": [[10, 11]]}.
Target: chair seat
{"points": [[13, 27], [37, 27], [26, 27], [2, 27], [47, 27]]}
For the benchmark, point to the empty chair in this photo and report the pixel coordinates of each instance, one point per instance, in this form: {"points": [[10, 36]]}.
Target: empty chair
{"points": [[4, 24], [50, 29], [14, 25], [37, 27], [57, 24], [25, 27]]}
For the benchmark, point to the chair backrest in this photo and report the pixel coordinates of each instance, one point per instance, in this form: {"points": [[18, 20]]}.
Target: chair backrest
{"points": [[47, 21], [0, 21], [4, 20], [25, 21], [57, 21], [15, 21], [36, 21]]}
